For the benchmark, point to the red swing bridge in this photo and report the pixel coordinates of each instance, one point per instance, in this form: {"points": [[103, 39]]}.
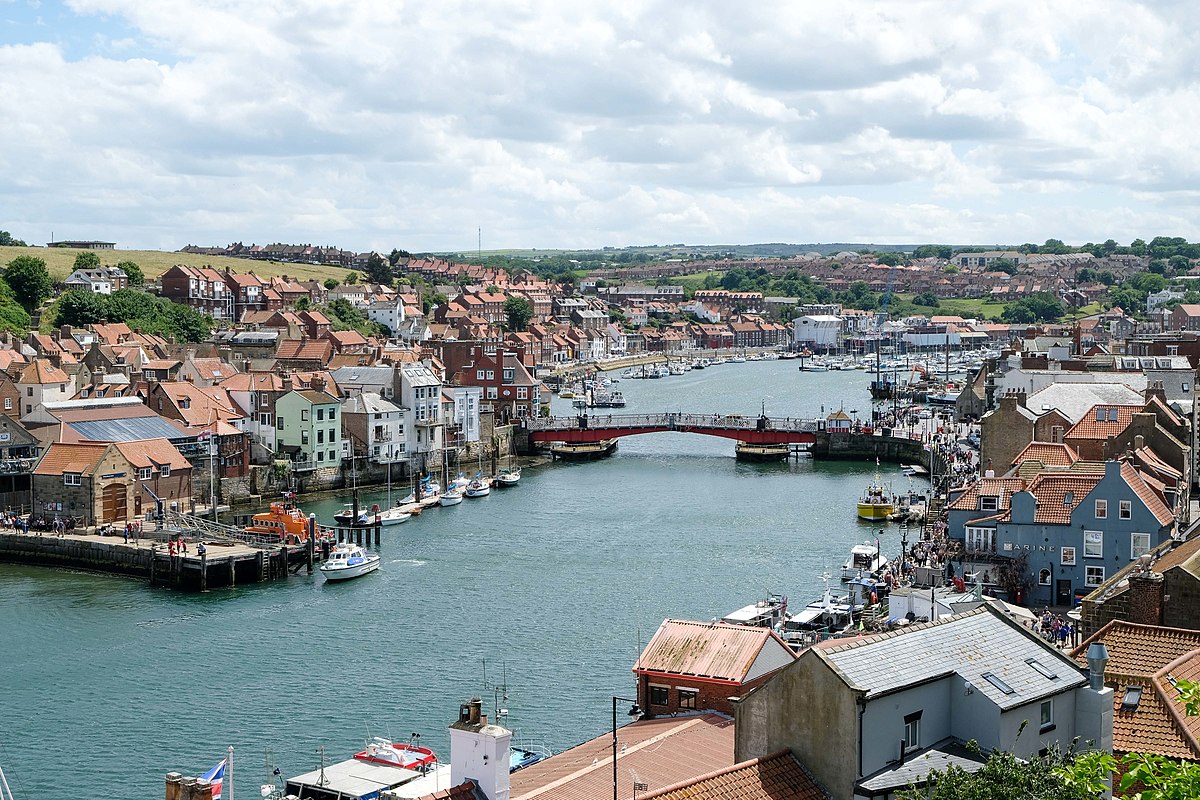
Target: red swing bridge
{"points": [[598, 428]]}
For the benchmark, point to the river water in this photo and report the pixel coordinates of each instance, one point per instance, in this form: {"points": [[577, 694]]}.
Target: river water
{"points": [[106, 685]]}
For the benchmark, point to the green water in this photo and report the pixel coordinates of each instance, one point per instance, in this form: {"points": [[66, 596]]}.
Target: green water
{"points": [[105, 683]]}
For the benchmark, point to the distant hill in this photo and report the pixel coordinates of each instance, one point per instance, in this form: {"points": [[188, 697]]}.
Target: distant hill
{"points": [[661, 252], [60, 260]]}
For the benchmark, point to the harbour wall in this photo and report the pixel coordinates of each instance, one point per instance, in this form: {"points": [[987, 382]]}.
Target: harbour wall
{"points": [[50, 551], [863, 447]]}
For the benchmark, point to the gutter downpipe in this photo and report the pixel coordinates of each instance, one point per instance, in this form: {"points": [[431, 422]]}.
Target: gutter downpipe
{"points": [[861, 700]]}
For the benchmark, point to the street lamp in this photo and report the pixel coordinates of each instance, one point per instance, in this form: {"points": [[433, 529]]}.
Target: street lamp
{"points": [[635, 714]]}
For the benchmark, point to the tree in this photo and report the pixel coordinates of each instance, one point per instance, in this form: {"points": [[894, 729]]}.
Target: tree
{"points": [[379, 270], [1006, 777], [1040, 307], [30, 281], [87, 260], [331, 283], [395, 256], [1004, 265], [133, 272], [519, 312], [926, 299], [7, 240], [80, 307], [889, 259], [351, 278]]}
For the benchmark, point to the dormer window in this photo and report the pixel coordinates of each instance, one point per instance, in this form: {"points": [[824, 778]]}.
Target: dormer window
{"points": [[989, 502]]}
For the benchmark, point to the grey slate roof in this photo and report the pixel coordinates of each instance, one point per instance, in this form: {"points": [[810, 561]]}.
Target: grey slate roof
{"points": [[1074, 399], [358, 376], [968, 645], [917, 766]]}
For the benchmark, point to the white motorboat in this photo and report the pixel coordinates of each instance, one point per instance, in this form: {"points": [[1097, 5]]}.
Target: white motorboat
{"points": [[348, 561], [738, 360], [479, 486], [766, 613], [865, 559], [507, 477], [393, 516], [451, 497]]}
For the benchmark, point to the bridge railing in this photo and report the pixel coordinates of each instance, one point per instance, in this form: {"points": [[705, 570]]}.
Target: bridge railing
{"points": [[674, 420]]}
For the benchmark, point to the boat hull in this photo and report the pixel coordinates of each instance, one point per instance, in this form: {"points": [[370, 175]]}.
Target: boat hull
{"points": [[450, 499], [354, 571], [875, 511], [482, 491]]}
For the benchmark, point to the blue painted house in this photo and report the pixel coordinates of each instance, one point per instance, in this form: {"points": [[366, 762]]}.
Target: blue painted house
{"points": [[1052, 538]]}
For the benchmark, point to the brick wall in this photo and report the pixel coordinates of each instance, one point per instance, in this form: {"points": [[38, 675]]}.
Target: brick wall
{"points": [[709, 697], [1182, 610]]}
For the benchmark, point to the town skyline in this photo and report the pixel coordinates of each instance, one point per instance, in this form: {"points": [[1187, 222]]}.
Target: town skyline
{"points": [[597, 126]]}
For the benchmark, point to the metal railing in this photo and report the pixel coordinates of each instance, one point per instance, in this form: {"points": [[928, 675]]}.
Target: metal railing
{"points": [[675, 421]]}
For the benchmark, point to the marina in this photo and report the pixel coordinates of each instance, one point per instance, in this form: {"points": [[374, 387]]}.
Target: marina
{"points": [[729, 531]]}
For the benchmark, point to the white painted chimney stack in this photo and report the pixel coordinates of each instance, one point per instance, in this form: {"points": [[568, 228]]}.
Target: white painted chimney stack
{"points": [[479, 751]]}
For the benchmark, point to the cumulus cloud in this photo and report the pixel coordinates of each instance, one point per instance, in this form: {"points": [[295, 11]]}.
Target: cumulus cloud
{"points": [[379, 123]]}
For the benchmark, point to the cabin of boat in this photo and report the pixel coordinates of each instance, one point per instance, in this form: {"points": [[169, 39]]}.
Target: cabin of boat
{"points": [[876, 503], [284, 522], [864, 559], [767, 613]]}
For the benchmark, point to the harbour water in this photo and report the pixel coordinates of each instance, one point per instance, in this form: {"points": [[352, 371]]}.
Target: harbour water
{"points": [[106, 683]]}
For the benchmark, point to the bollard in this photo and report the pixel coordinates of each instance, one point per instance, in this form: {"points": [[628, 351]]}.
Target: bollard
{"points": [[232, 572], [378, 527], [285, 562]]}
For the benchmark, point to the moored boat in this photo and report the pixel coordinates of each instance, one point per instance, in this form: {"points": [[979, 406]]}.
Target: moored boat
{"points": [[766, 613], [284, 522], [864, 559], [876, 503], [507, 477], [450, 497], [397, 754], [348, 561], [479, 486]]}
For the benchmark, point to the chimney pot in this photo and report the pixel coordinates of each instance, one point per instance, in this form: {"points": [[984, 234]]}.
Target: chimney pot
{"points": [[1097, 658]]}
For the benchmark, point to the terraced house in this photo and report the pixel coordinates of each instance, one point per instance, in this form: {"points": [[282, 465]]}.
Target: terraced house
{"points": [[309, 428], [1053, 537]]}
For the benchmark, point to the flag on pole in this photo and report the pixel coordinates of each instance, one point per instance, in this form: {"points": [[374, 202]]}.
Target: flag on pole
{"points": [[216, 776]]}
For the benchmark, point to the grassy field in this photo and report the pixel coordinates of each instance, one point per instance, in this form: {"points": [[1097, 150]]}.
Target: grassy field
{"points": [[59, 260]]}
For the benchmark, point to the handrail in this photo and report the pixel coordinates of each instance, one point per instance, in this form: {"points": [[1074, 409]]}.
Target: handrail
{"points": [[675, 420]]}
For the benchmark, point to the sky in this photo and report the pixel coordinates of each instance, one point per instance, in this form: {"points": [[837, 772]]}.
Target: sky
{"points": [[548, 124]]}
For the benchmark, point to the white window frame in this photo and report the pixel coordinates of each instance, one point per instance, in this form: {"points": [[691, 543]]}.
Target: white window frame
{"points": [[1046, 714], [72, 479], [145, 473], [981, 539], [1102, 509], [1067, 556], [1095, 547], [165, 470], [1136, 550], [1125, 509], [912, 735], [1093, 575]]}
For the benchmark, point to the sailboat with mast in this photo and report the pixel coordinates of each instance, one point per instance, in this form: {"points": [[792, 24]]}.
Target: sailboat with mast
{"points": [[393, 514]]}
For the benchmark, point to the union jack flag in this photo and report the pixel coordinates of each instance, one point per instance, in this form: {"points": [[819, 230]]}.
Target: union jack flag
{"points": [[216, 776]]}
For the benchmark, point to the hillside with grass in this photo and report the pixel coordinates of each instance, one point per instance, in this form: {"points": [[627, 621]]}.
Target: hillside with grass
{"points": [[60, 261]]}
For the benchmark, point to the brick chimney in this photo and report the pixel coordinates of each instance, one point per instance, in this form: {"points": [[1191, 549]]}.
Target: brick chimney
{"points": [[318, 382], [1155, 389], [1146, 597], [287, 382]]}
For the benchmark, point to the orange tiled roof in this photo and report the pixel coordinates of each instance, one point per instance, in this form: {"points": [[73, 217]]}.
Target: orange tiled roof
{"points": [[1149, 656], [770, 778], [153, 453], [1051, 454], [1089, 427], [41, 372], [60, 458], [1147, 495], [1001, 488], [1059, 493]]}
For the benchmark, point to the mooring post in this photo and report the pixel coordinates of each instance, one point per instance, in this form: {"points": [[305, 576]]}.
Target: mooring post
{"points": [[311, 545], [378, 526], [284, 553], [153, 558], [232, 571], [204, 572], [358, 536]]}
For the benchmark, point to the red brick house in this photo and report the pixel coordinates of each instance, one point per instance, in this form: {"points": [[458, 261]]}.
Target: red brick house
{"points": [[202, 288], [507, 385], [697, 666]]}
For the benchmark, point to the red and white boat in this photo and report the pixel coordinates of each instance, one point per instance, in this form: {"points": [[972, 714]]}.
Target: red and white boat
{"points": [[397, 754]]}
